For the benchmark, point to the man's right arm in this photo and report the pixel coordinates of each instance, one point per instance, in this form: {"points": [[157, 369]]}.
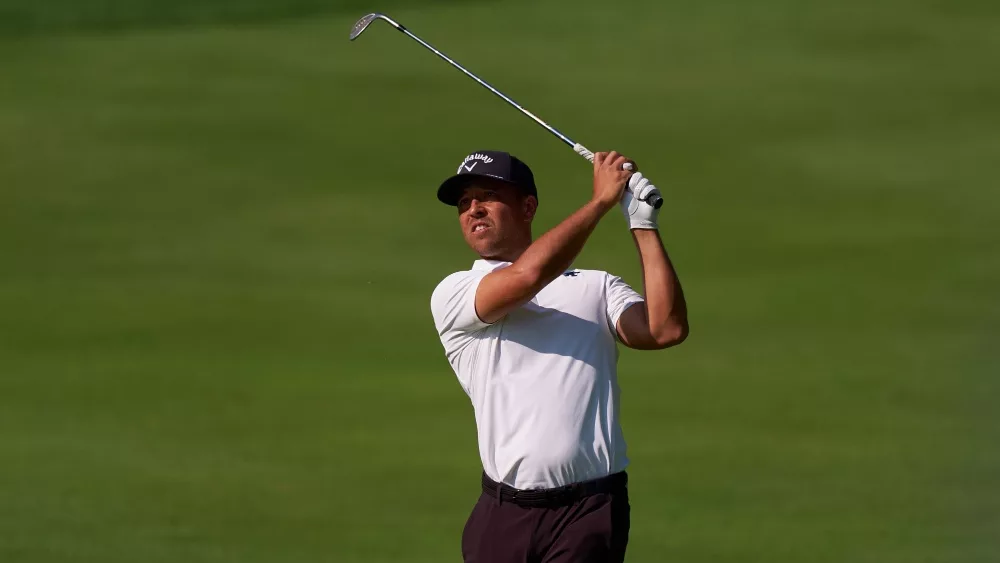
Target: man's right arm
{"points": [[506, 289]]}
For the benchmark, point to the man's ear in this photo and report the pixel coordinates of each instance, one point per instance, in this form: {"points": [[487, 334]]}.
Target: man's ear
{"points": [[530, 206]]}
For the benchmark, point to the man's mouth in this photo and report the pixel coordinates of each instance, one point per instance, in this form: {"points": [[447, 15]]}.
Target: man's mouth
{"points": [[479, 227]]}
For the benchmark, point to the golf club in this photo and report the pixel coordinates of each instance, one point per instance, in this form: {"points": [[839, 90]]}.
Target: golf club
{"points": [[655, 200]]}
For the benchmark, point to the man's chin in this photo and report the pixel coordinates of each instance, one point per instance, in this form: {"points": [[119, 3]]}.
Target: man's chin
{"points": [[485, 248]]}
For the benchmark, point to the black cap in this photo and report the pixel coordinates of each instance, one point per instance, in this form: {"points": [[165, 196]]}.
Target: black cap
{"points": [[488, 164]]}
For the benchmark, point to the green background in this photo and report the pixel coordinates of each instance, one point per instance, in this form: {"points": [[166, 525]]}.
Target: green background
{"points": [[218, 241]]}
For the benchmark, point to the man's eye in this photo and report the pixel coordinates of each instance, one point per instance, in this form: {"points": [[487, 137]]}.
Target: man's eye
{"points": [[491, 194]]}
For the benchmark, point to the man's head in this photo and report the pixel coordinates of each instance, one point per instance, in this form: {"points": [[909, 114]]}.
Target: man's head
{"points": [[496, 218], [496, 199]]}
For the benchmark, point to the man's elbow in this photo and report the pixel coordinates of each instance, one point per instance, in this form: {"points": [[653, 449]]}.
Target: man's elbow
{"points": [[672, 333]]}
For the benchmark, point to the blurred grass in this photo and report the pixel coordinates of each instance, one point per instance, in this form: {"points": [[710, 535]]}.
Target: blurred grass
{"points": [[219, 244], [27, 17]]}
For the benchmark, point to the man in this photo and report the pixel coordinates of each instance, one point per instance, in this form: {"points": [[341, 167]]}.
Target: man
{"points": [[534, 345]]}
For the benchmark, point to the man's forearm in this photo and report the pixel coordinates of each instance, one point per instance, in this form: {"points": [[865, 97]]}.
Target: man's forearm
{"points": [[505, 289], [553, 252], [666, 310]]}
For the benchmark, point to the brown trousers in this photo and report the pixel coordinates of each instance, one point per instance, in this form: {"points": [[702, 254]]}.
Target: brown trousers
{"points": [[586, 523]]}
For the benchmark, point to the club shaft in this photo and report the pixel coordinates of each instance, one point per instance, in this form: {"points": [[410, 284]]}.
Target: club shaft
{"points": [[655, 200], [485, 84]]}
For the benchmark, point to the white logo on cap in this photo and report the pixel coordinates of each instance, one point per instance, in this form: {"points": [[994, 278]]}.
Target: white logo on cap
{"points": [[473, 157]]}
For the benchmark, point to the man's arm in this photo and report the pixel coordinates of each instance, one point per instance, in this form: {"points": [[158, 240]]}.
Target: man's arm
{"points": [[661, 321], [506, 289]]}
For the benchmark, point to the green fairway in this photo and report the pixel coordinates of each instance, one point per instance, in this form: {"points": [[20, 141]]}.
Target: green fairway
{"points": [[219, 238]]}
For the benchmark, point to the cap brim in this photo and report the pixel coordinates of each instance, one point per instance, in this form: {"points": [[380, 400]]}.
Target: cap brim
{"points": [[451, 189]]}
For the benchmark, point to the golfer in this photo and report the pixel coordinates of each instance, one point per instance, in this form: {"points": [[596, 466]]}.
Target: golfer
{"points": [[533, 342]]}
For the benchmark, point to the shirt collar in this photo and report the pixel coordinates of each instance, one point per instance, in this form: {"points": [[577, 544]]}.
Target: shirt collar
{"points": [[484, 265], [488, 265]]}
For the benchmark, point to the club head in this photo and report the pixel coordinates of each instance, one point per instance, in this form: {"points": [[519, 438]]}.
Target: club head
{"points": [[362, 24]]}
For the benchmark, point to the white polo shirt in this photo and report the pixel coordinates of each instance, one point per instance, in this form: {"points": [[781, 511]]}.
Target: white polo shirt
{"points": [[542, 380]]}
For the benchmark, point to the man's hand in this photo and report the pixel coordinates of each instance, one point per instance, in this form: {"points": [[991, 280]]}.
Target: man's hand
{"points": [[638, 213], [610, 178]]}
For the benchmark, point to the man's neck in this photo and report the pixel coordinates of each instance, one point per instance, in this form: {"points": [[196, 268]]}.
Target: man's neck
{"points": [[506, 255]]}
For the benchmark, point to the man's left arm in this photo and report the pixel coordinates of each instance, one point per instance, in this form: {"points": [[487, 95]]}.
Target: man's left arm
{"points": [[661, 320]]}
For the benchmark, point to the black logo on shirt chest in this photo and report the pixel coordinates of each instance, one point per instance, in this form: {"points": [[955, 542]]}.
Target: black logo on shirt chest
{"points": [[571, 274]]}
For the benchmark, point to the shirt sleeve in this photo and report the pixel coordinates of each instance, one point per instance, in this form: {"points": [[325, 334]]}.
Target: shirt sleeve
{"points": [[620, 296], [453, 304]]}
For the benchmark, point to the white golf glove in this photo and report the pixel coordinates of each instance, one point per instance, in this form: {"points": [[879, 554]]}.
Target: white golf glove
{"points": [[639, 214]]}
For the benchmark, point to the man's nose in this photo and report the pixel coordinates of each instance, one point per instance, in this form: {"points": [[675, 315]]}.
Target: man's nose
{"points": [[476, 209]]}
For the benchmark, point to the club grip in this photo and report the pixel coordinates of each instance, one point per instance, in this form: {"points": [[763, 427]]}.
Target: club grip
{"points": [[655, 200]]}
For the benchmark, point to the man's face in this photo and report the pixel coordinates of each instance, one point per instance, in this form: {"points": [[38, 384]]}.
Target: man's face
{"points": [[495, 218]]}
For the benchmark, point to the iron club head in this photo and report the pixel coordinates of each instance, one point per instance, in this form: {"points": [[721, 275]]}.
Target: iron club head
{"points": [[363, 23]]}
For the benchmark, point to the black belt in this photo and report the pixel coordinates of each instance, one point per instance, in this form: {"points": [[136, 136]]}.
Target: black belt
{"points": [[559, 496]]}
